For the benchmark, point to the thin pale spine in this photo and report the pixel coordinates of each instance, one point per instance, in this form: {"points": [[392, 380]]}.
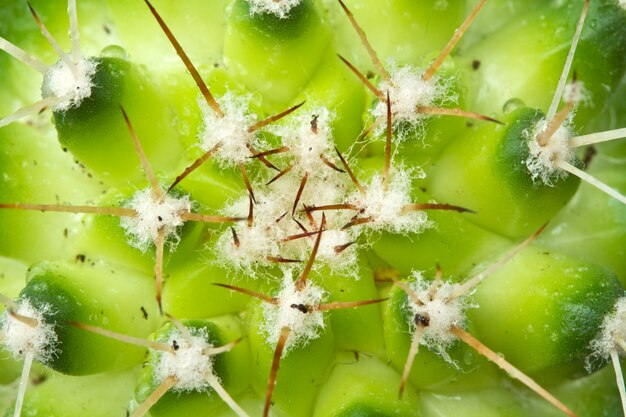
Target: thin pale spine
{"points": [[331, 165], [23, 56], [554, 124], [246, 179], [415, 344], [280, 175], [222, 349], [556, 99], [78, 209], [388, 137], [510, 369], [344, 206], [145, 163], [363, 78], [9, 302], [370, 50], [302, 279], [204, 89], [369, 129], [46, 34], [299, 193], [251, 293], [196, 164], [619, 378], [272, 119], [131, 340], [341, 305], [271, 383], [21, 392], [74, 34], [473, 282], [274, 151], [458, 34], [599, 137], [441, 111], [206, 218], [409, 208], [155, 396], [350, 173], [591, 180], [34, 108], [158, 267], [225, 396], [29, 321]]}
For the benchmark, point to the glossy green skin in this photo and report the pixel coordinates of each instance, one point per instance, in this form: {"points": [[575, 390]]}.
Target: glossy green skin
{"points": [[230, 367], [111, 298], [555, 304], [361, 386], [430, 370], [532, 77], [486, 172], [95, 132], [320, 379]]}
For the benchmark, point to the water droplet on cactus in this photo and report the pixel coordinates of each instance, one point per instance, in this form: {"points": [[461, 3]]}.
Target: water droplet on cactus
{"points": [[511, 105], [114, 51]]}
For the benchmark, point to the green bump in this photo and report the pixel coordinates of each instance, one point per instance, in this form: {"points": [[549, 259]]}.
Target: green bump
{"points": [[363, 386], [116, 299], [230, 367], [275, 57], [429, 369], [486, 172], [554, 304], [95, 131]]}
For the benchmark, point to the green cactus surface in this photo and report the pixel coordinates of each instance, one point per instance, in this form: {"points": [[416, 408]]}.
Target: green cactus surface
{"points": [[312, 208]]}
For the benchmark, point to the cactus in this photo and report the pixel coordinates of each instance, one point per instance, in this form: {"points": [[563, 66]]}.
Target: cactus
{"points": [[312, 208]]}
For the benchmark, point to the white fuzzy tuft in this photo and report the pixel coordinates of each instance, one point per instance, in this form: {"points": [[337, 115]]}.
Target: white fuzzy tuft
{"points": [[576, 93], [231, 130], [190, 364], [328, 252], [256, 243], [20, 338], [622, 4], [542, 160], [613, 328], [153, 215], [407, 90], [309, 136], [280, 8], [442, 313], [61, 81], [267, 235], [304, 326], [385, 206]]}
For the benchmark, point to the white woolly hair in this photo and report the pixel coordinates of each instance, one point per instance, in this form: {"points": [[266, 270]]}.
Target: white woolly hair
{"points": [[190, 363], [266, 236], [61, 81], [306, 146], [613, 328], [152, 215], [385, 206], [541, 162], [304, 326], [344, 262], [407, 90], [20, 338], [442, 313], [280, 8], [231, 130], [575, 92]]}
